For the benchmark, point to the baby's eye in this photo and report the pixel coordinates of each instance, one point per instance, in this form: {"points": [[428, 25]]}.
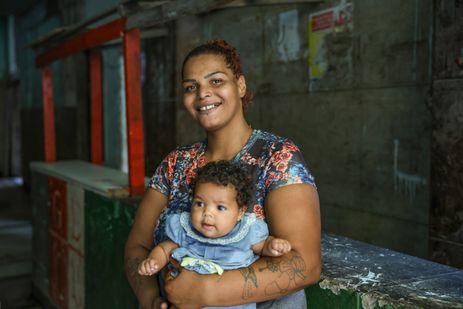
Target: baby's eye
{"points": [[199, 204], [221, 208]]}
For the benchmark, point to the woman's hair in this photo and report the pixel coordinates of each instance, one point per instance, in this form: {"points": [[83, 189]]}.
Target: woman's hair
{"points": [[231, 57], [227, 173]]}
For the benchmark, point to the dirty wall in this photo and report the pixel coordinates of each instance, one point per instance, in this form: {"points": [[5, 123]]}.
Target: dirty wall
{"points": [[362, 120], [446, 232]]}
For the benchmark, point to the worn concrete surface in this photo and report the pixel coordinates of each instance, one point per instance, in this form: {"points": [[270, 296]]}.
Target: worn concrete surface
{"points": [[381, 278]]}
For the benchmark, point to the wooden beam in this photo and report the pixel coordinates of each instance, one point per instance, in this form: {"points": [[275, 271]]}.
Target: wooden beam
{"points": [[96, 107], [83, 41], [48, 115], [135, 135], [147, 14], [242, 3]]}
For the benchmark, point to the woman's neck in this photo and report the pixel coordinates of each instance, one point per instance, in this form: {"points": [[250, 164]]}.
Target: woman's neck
{"points": [[224, 144]]}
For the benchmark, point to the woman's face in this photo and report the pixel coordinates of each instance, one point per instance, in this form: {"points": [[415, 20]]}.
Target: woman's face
{"points": [[211, 93]]}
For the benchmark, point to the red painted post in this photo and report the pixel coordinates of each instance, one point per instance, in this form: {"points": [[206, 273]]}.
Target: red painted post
{"points": [[48, 115], [135, 134], [96, 108]]}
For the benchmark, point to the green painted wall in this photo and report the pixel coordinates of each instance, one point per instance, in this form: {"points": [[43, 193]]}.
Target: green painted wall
{"points": [[107, 224], [325, 299]]}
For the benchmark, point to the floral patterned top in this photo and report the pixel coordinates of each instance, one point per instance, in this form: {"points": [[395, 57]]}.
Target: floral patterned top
{"points": [[273, 161]]}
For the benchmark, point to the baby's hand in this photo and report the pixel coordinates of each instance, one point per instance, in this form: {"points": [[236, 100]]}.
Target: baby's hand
{"points": [[148, 267], [278, 246]]}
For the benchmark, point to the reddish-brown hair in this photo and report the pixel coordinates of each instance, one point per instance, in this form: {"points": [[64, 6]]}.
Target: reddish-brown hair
{"points": [[231, 57]]}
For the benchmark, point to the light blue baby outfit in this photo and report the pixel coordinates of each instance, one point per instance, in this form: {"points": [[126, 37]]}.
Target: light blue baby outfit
{"points": [[213, 255]]}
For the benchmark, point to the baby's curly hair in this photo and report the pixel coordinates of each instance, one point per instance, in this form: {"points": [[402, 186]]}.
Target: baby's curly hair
{"points": [[228, 173]]}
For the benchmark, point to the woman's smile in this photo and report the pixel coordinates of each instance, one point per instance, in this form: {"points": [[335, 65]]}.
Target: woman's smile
{"points": [[208, 107]]}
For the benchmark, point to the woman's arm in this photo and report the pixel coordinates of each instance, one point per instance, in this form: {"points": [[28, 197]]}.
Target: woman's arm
{"points": [[292, 213], [138, 246]]}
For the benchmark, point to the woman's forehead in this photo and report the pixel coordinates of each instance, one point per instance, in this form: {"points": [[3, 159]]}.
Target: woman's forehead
{"points": [[206, 63]]}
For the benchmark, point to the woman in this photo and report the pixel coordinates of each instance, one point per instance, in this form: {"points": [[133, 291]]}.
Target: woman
{"points": [[216, 96]]}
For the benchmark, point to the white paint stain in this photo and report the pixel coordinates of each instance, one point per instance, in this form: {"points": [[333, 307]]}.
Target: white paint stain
{"points": [[404, 182], [371, 277]]}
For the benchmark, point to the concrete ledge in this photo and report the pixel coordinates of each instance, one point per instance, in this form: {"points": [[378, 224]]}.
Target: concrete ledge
{"points": [[359, 275]]}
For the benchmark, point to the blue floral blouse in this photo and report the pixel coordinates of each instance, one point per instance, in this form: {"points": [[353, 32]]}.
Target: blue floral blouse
{"points": [[273, 161]]}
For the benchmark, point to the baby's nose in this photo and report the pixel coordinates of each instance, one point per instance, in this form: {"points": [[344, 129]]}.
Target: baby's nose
{"points": [[207, 213]]}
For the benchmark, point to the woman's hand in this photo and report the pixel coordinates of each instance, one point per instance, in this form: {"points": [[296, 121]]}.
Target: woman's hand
{"points": [[185, 291], [154, 303]]}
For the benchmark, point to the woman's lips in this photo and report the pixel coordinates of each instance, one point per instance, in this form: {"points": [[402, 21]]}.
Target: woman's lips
{"points": [[208, 107]]}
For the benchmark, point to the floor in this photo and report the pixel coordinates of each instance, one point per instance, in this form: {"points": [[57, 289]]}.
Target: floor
{"points": [[15, 246]]}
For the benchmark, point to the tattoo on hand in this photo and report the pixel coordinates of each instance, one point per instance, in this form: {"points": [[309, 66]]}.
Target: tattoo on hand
{"points": [[250, 280], [291, 271], [131, 265]]}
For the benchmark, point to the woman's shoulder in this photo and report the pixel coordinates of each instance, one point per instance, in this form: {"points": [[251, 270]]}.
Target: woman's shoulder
{"points": [[187, 151], [275, 142]]}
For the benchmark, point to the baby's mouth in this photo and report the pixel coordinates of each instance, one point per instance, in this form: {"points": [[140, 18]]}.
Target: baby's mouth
{"points": [[207, 227]]}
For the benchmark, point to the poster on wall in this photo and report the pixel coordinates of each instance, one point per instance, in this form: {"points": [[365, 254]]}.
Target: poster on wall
{"points": [[288, 36], [322, 26]]}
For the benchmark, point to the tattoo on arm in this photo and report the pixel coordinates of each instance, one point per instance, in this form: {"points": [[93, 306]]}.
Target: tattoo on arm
{"points": [[250, 280], [291, 271], [131, 265]]}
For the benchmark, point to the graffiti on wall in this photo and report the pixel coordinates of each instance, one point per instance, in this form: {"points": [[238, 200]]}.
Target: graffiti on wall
{"points": [[404, 182]]}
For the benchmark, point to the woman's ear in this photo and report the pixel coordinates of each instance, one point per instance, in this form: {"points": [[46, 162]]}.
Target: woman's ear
{"points": [[242, 86]]}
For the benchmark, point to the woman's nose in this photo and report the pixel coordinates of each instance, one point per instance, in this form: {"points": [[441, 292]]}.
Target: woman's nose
{"points": [[204, 92]]}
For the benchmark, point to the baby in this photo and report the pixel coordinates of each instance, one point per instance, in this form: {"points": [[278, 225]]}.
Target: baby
{"points": [[218, 234]]}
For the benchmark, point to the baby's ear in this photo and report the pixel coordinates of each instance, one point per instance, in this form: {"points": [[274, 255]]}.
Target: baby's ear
{"points": [[242, 212]]}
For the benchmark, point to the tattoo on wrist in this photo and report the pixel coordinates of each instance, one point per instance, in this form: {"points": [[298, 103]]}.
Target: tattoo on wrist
{"points": [[250, 281], [131, 265], [291, 271]]}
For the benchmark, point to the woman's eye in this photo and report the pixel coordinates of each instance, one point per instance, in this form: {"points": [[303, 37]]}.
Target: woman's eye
{"points": [[216, 81], [189, 88], [221, 208]]}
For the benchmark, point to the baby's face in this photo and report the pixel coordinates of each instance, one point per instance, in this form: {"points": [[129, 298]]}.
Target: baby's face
{"points": [[214, 211]]}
